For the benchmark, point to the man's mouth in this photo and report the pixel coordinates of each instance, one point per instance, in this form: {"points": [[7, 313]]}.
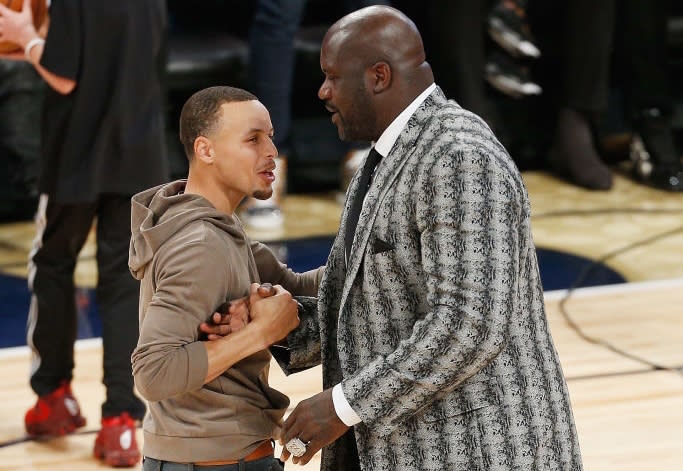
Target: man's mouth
{"points": [[268, 173], [268, 176], [334, 113]]}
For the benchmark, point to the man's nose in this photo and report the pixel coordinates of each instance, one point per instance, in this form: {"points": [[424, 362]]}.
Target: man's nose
{"points": [[324, 91], [271, 149]]}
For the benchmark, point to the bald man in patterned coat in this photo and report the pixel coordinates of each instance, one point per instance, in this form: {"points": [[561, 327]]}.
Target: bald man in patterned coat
{"points": [[430, 325]]}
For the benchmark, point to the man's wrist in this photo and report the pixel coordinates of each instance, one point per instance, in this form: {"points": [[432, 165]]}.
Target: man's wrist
{"points": [[30, 44], [264, 342], [255, 333]]}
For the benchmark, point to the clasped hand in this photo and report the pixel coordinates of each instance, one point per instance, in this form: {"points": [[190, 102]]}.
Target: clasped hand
{"points": [[314, 420], [270, 307], [234, 315]]}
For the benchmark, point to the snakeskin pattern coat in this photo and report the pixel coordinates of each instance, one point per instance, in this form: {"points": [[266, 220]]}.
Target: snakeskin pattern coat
{"points": [[436, 328]]}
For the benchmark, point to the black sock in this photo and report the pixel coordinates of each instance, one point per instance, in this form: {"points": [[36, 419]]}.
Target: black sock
{"points": [[573, 152]]}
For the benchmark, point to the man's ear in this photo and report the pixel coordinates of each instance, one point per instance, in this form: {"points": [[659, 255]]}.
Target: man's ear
{"points": [[203, 150], [380, 77]]}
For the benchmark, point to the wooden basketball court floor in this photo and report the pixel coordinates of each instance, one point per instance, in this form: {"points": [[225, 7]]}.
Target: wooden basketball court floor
{"points": [[621, 345]]}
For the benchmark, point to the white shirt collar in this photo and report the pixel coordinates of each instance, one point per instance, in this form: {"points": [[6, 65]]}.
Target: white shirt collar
{"points": [[388, 138]]}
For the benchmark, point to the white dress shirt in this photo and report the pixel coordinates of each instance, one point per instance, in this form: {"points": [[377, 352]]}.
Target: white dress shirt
{"points": [[383, 145]]}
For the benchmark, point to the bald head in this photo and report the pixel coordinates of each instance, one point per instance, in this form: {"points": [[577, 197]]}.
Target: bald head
{"points": [[379, 51], [380, 33]]}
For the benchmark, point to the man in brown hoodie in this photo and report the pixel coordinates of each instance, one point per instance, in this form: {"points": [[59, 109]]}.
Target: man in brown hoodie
{"points": [[209, 401]]}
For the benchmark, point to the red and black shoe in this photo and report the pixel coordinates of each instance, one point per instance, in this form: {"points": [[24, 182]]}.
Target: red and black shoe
{"points": [[115, 443], [55, 414]]}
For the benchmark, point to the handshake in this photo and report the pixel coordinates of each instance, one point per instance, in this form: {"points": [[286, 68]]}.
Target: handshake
{"points": [[270, 311]]}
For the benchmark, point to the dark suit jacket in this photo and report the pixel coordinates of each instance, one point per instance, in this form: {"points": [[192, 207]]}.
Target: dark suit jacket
{"points": [[437, 329]]}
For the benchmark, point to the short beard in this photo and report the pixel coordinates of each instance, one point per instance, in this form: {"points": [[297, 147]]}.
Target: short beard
{"points": [[262, 195], [363, 118]]}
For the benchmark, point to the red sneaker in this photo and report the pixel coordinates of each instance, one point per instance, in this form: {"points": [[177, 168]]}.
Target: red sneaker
{"points": [[115, 443], [55, 414]]}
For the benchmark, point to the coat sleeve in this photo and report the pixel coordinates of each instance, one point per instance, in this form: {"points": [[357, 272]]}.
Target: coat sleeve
{"points": [[191, 281], [271, 270], [468, 210], [303, 343]]}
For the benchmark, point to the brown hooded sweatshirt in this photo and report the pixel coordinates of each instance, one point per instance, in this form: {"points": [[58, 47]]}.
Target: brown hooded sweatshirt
{"points": [[190, 259]]}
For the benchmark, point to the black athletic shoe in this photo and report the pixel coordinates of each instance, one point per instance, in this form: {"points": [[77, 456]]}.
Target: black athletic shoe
{"points": [[656, 161], [508, 27], [509, 77]]}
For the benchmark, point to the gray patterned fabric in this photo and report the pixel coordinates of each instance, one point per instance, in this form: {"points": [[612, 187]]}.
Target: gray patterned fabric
{"points": [[437, 328]]}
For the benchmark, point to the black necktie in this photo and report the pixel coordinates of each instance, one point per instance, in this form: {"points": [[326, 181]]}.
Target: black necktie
{"points": [[357, 204]]}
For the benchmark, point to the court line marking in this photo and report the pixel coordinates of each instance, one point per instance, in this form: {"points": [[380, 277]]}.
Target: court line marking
{"points": [[81, 345], [628, 287], [621, 373], [555, 295]]}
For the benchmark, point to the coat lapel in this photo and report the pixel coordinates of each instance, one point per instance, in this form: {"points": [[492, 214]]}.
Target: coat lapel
{"points": [[384, 176], [387, 171]]}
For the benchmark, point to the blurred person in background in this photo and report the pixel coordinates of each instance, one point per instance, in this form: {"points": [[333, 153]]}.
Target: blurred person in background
{"points": [[607, 43], [21, 98], [271, 73], [102, 141]]}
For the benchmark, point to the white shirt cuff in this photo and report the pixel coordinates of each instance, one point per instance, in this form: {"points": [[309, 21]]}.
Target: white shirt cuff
{"points": [[342, 407]]}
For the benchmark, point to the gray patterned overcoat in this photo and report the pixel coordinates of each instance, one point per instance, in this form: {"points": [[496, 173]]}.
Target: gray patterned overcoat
{"points": [[437, 328]]}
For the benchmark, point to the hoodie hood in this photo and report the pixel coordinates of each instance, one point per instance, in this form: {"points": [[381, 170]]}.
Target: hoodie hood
{"points": [[160, 212]]}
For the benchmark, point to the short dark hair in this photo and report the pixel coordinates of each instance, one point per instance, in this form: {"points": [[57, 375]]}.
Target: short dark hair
{"points": [[200, 113]]}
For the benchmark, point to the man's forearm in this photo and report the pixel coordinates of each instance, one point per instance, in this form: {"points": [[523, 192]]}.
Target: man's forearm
{"points": [[225, 352], [18, 28], [273, 318], [60, 84], [303, 344]]}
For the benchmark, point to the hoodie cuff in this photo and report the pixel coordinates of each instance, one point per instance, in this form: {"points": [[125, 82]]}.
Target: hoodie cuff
{"points": [[198, 365]]}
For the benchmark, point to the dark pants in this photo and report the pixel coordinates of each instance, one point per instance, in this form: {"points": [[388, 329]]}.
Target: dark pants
{"points": [[455, 34], [61, 232], [588, 40], [271, 61], [264, 464], [641, 51], [21, 98], [636, 33]]}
